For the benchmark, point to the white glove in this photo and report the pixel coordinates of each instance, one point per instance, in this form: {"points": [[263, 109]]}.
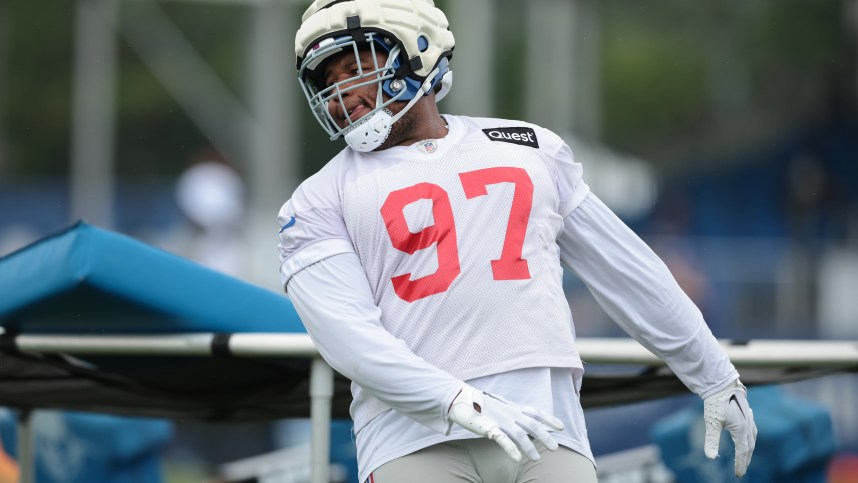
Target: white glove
{"points": [[729, 409], [506, 423]]}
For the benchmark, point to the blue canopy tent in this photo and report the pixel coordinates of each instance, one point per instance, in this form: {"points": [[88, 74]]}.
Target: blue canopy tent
{"points": [[96, 321], [87, 281], [92, 320]]}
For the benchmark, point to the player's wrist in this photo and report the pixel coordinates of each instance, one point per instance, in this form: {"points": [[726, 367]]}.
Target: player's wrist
{"points": [[731, 387], [465, 402], [452, 401], [722, 386]]}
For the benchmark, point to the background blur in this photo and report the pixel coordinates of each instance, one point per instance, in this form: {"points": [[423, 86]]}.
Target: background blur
{"points": [[725, 133]]}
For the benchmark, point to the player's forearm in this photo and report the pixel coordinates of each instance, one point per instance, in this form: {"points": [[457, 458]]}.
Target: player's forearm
{"points": [[637, 290], [334, 301]]}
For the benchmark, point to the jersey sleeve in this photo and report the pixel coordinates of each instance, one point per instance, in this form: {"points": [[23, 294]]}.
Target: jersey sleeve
{"points": [[335, 303], [636, 289], [568, 174], [310, 226]]}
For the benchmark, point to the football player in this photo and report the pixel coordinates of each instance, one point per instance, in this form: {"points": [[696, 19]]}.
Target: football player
{"points": [[425, 262]]}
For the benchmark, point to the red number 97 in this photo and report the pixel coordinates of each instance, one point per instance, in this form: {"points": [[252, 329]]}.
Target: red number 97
{"points": [[510, 265]]}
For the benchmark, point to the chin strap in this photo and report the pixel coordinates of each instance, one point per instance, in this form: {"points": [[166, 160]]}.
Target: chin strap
{"points": [[371, 132]]}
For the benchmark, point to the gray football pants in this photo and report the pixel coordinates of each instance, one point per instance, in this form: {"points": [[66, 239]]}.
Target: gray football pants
{"points": [[481, 460]]}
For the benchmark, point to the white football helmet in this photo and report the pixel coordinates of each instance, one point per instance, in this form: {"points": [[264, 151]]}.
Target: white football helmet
{"points": [[418, 43]]}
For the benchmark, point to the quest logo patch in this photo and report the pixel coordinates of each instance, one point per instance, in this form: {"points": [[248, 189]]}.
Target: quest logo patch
{"points": [[524, 136]]}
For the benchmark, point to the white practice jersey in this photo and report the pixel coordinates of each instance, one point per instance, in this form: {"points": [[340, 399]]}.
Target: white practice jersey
{"points": [[457, 239], [460, 242]]}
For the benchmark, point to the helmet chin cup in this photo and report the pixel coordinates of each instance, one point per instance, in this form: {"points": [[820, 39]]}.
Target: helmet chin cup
{"points": [[371, 132]]}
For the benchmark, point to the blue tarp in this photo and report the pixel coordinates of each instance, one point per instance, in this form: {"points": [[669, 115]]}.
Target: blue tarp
{"points": [[795, 442], [86, 279], [70, 447]]}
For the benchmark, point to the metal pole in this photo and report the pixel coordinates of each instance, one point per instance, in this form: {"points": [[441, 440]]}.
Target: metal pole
{"points": [[192, 82], [273, 164], [187, 345], [321, 394], [562, 66], [474, 80], [753, 353], [91, 193], [26, 462]]}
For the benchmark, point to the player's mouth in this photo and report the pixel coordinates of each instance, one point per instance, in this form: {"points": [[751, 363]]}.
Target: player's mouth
{"points": [[357, 112]]}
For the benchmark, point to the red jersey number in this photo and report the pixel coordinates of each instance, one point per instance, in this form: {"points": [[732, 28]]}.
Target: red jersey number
{"points": [[510, 265]]}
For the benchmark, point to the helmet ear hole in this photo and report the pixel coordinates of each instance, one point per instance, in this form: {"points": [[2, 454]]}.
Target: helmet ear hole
{"points": [[422, 43]]}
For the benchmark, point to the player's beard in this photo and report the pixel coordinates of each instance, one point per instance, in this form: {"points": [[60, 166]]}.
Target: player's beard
{"points": [[400, 130]]}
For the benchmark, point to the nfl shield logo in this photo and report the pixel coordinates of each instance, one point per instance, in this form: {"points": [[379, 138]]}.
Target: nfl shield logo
{"points": [[428, 146]]}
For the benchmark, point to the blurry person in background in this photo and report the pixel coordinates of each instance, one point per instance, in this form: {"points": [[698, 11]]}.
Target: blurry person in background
{"points": [[212, 197], [425, 262], [9, 471]]}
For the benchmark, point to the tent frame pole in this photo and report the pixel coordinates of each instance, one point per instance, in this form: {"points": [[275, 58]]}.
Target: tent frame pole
{"points": [[321, 397], [26, 462], [831, 354]]}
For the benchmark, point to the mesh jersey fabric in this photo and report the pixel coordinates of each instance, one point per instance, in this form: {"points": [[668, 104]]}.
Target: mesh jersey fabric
{"points": [[442, 235]]}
